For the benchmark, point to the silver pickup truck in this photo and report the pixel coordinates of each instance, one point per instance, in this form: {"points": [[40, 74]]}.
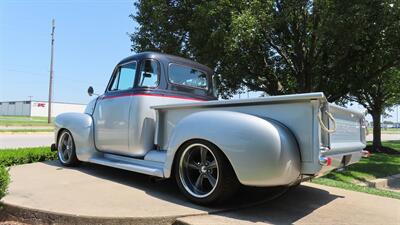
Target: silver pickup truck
{"points": [[159, 116]]}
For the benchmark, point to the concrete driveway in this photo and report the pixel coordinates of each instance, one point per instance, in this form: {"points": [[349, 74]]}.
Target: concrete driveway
{"points": [[25, 140], [93, 194]]}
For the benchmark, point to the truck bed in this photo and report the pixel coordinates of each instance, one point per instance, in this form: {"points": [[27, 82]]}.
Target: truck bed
{"points": [[299, 113]]}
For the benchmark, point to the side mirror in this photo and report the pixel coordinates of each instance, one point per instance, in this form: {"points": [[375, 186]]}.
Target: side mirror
{"points": [[90, 91]]}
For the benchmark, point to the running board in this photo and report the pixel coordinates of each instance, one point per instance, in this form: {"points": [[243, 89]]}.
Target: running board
{"points": [[126, 163]]}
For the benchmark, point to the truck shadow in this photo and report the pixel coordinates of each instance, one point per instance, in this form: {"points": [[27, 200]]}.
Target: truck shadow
{"points": [[278, 205]]}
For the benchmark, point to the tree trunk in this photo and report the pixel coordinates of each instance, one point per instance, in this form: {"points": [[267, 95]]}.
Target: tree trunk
{"points": [[377, 143]]}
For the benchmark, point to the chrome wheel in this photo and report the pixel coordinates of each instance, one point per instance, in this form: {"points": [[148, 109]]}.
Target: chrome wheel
{"points": [[198, 170], [65, 148]]}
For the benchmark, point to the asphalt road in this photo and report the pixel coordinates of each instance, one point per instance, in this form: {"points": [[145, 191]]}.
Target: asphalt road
{"points": [[25, 140]]}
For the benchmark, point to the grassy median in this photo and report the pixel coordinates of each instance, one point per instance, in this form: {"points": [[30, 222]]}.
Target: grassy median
{"points": [[25, 130], [23, 121], [355, 176], [24, 124]]}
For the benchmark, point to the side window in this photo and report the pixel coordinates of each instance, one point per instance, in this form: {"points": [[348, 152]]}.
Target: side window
{"points": [[187, 76], [149, 73], [125, 77]]}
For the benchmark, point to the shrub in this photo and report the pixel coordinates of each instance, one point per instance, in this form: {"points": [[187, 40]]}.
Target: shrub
{"points": [[4, 180], [10, 157]]}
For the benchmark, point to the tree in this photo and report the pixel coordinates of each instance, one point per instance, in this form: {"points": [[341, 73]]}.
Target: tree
{"points": [[379, 61], [383, 93], [276, 46]]}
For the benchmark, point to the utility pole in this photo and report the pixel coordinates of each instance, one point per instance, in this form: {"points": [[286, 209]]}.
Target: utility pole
{"points": [[30, 98], [51, 72]]}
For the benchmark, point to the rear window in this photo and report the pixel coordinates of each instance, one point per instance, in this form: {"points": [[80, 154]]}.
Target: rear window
{"points": [[187, 76]]}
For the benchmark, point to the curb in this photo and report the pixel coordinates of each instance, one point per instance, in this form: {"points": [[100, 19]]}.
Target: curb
{"points": [[386, 182], [40, 217]]}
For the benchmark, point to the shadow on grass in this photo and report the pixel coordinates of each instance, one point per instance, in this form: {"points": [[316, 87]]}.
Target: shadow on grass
{"points": [[376, 166]]}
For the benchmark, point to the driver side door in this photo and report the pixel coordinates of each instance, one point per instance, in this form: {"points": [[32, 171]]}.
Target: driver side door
{"points": [[111, 116]]}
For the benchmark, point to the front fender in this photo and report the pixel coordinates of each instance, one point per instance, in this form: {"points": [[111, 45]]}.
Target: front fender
{"points": [[262, 152], [81, 127]]}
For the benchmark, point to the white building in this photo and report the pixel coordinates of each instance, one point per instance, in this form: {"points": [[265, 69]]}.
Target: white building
{"points": [[37, 108]]}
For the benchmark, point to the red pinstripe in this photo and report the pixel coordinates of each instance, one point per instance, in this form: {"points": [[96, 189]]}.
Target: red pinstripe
{"points": [[154, 95]]}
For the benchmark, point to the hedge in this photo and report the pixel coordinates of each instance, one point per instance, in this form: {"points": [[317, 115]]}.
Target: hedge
{"points": [[10, 157], [4, 180]]}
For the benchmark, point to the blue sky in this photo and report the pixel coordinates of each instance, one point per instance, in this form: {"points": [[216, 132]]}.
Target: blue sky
{"points": [[90, 38]]}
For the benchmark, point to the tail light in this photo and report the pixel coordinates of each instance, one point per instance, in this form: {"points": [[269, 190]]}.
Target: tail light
{"points": [[325, 161]]}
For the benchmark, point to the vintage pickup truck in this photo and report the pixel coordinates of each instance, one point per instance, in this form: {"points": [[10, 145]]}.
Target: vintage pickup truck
{"points": [[160, 116]]}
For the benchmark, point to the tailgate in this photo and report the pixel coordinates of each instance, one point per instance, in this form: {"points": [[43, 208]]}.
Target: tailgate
{"points": [[350, 130]]}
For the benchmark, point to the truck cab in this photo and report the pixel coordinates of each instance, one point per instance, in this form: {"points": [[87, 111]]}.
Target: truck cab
{"points": [[123, 120]]}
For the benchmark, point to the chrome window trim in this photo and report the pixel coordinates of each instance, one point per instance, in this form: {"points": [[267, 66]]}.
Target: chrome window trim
{"points": [[114, 74]]}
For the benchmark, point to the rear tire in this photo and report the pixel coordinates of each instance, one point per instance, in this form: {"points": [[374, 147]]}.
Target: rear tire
{"points": [[203, 173], [66, 149]]}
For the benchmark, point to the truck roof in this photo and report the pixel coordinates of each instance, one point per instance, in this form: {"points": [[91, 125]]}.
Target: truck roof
{"points": [[166, 58]]}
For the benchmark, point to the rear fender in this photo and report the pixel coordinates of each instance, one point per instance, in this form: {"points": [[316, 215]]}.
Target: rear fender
{"points": [[81, 127], [262, 152]]}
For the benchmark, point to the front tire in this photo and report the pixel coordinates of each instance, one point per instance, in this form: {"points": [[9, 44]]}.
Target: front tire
{"points": [[66, 149], [203, 173]]}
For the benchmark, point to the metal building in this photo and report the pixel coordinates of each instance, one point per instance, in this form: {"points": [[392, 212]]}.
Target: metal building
{"points": [[37, 108]]}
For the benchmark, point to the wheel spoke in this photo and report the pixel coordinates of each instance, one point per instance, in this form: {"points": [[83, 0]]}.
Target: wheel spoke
{"points": [[192, 165], [199, 181], [65, 154], [69, 143], [203, 155], [65, 142], [212, 165], [211, 179]]}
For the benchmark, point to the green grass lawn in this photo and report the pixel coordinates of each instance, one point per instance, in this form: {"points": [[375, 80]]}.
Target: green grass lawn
{"points": [[23, 121], [392, 144], [376, 166]]}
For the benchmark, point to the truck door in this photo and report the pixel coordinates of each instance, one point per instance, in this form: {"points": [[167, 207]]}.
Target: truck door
{"points": [[111, 116]]}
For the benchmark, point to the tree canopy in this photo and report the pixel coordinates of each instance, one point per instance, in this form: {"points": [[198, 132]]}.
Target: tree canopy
{"points": [[277, 47]]}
